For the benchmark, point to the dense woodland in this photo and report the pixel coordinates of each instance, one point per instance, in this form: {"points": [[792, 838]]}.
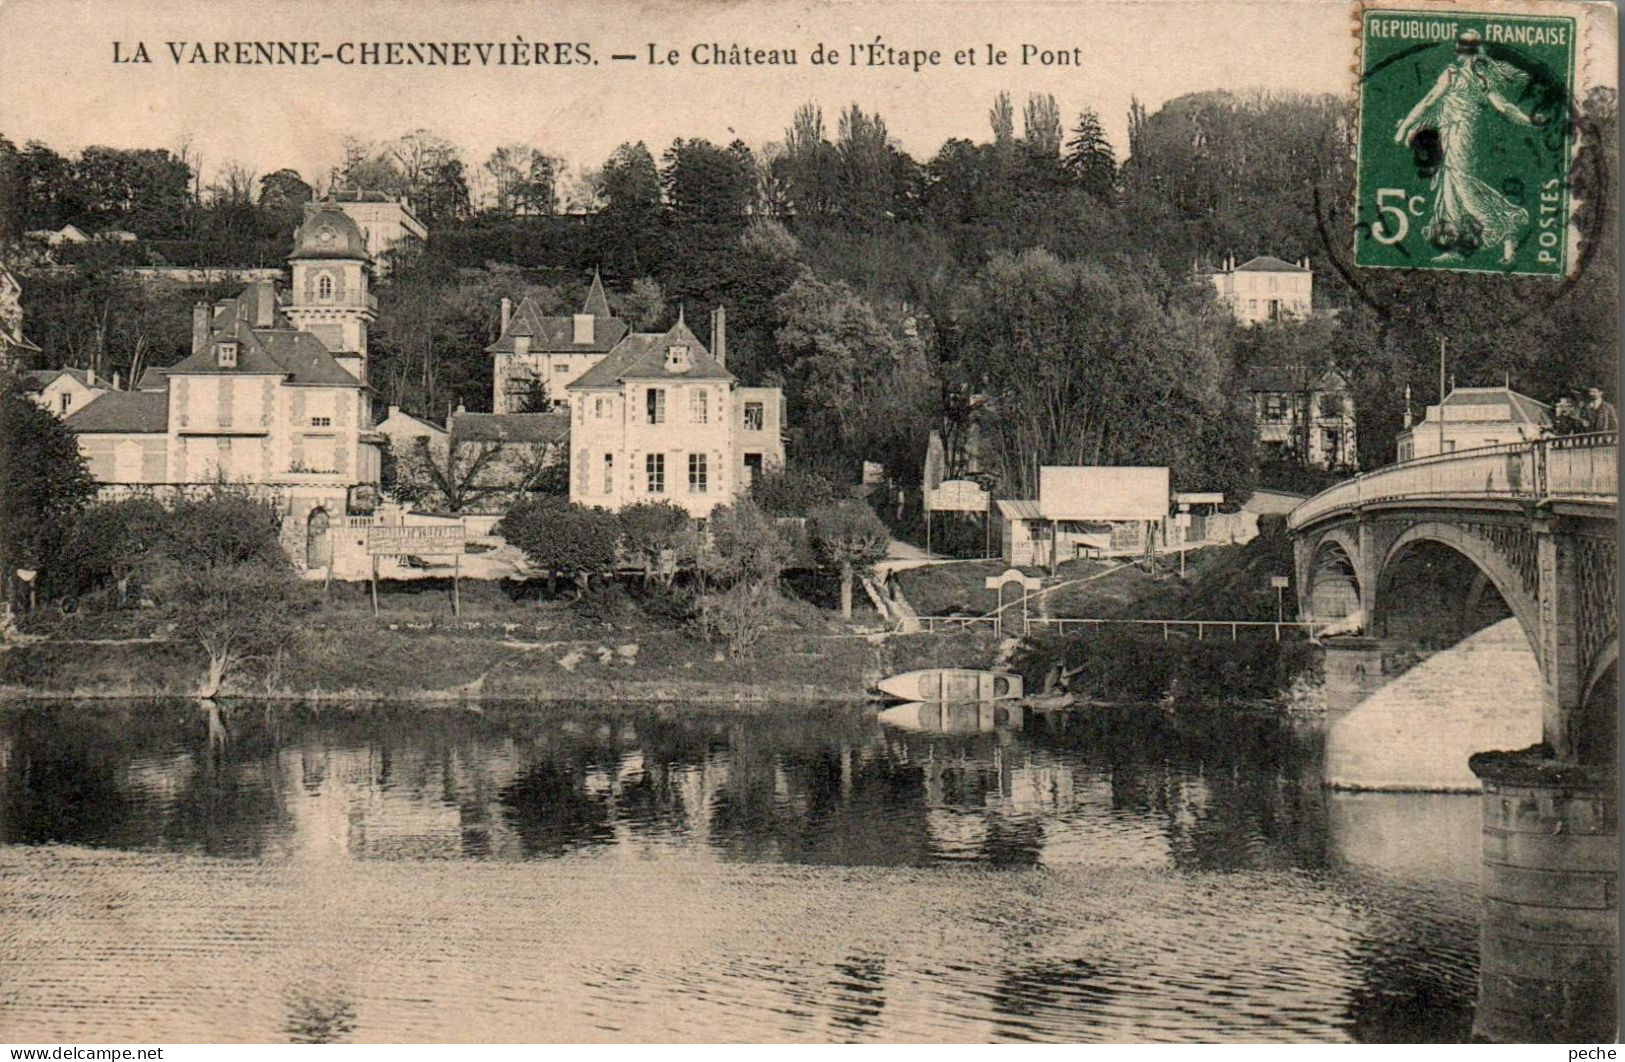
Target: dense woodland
{"points": [[1031, 278]]}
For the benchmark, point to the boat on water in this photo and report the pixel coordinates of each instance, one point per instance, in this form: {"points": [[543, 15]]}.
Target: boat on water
{"points": [[941, 684]]}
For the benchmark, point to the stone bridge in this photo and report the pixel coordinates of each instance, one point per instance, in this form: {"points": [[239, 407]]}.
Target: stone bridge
{"points": [[1513, 548]]}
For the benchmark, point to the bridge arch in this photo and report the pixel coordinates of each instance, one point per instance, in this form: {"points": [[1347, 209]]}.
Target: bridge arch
{"points": [[1487, 560], [1334, 586]]}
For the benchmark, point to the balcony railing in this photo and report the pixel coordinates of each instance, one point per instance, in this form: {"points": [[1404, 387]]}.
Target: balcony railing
{"points": [[1571, 466]]}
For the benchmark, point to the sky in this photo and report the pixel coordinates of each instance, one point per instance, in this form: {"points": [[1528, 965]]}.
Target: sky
{"points": [[63, 87]]}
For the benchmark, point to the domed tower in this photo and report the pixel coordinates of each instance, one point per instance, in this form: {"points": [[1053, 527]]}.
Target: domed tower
{"points": [[331, 273]]}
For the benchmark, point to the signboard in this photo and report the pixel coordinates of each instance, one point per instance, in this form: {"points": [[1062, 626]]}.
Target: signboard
{"points": [[1102, 492], [957, 495], [419, 540], [1278, 582]]}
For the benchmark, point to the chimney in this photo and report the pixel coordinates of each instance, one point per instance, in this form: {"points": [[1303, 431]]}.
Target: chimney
{"points": [[393, 410], [507, 312], [1409, 418], [200, 326], [264, 305], [719, 336]]}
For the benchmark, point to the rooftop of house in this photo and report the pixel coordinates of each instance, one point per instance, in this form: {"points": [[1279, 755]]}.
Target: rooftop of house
{"points": [[1516, 407], [643, 356], [396, 413], [556, 334], [39, 379], [510, 427], [266, 343], [1278, 379], [1265, 263], [123, 412]]}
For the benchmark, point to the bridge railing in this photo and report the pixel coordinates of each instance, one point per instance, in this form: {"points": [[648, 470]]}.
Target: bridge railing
{"points": [[1571, 466]]}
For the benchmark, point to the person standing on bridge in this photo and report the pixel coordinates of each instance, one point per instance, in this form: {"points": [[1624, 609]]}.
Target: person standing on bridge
{"points": [[1600, 413]]}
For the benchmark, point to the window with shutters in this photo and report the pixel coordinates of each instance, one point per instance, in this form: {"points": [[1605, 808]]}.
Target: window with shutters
{"points": [[582, 472], [699, 407], [609, 473], [696, 474], [655, 405], [754, 418], [654, 469]]}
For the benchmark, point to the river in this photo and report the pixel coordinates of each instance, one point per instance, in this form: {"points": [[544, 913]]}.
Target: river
{"points": [[803, 874]]}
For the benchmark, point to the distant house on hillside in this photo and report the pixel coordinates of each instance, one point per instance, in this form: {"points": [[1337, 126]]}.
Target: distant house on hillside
{"points": [[57, 237], [1472, 417], [386, 222], [541, 355], [1304, 415], [1264, 288]]}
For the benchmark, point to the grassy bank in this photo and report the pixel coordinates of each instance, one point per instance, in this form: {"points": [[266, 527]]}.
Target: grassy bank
{"points": [[508, 642]]}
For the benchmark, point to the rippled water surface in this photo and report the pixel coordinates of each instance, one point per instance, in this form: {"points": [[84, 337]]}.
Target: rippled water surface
{"points": [[650, 874]]}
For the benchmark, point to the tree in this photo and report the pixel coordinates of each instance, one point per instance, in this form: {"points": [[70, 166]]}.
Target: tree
{"points": [[43, 479], [222, 578], [628, 225], [742, 544], [709, 186], [283, 195], [791, 491], [448, 476], [848, 537], [1089, 157], [643, 307], [562, 539], [1041, 126], [524, 179], [106, 545], [650, 532]]}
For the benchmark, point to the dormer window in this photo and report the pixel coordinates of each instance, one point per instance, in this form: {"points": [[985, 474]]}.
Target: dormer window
{"points": [[677, 358], [521, 344], [227, 351]]}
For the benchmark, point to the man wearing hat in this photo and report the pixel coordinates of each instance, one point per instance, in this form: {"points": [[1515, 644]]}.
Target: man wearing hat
{"points": [[1600, 413]]}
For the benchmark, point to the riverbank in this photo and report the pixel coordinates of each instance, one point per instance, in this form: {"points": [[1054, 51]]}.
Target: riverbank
{"points": [[502, 646]]}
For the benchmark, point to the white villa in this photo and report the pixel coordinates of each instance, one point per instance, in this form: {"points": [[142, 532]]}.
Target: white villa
{"points": [[660, 417], [1264, 288]]}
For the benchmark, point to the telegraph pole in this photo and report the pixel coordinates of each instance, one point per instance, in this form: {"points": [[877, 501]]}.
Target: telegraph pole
{"points": [[1441, 394]]}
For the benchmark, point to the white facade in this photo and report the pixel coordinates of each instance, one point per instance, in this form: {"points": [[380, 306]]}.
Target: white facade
{"points": [[661, 420], [1265, 289], [65, 392]]}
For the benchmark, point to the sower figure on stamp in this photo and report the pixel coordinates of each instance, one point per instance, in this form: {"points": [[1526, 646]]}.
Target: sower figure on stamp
{"points": [[1467, 213]]}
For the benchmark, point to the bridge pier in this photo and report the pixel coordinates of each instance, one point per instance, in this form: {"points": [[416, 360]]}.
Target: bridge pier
{"points": [[1549, 935]]}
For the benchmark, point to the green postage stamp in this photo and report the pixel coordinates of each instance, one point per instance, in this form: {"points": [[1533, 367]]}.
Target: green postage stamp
{"points": [[1465, 141]]}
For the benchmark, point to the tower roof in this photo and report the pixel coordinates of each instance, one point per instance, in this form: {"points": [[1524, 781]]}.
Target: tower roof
{"points": [[328, 232], [597, 301]]}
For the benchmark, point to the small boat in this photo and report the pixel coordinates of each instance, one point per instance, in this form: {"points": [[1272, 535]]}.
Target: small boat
{"points": [[1049, 702], [937, 684]]}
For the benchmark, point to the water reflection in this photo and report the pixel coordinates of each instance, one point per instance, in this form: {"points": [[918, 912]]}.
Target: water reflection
{"points": [[802, 874]]}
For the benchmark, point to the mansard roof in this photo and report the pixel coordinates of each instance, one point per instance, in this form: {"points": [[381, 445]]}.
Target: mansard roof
{"points": [[123, 412], [279, 349], [642, 356]]}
